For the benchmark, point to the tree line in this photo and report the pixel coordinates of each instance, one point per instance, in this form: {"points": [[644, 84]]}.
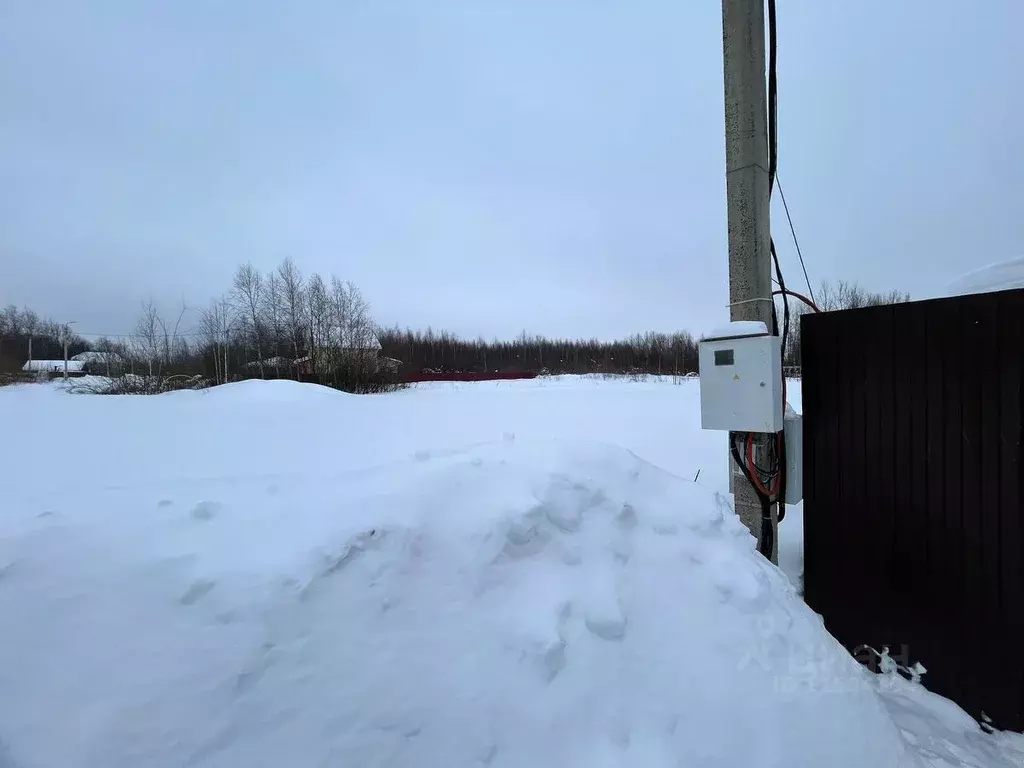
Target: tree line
{"points": [[281, 324], [24, 335], [651, 352]]}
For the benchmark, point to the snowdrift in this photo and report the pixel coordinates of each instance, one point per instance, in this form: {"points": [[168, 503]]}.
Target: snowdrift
{"points": [[207, 598]]}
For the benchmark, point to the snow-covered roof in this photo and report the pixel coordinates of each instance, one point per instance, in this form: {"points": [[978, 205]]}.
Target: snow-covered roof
{"points": [[50, 366], [97, 357], [1003, 276], [739, 328]]}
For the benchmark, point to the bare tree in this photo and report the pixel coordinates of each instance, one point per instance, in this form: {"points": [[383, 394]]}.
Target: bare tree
{"points": [[851, 295], [154, 341], [361, 329], [339, 313], [216, 323], [273, 312], [318, 305], [146, 340], [10, 320], [29, 323], [247, 293], [170, 340], [293, 300], [353, 360]]}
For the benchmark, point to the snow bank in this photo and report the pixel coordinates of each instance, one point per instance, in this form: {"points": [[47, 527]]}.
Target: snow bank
{"points": [[995, 277], [401, 580], [276, 391], [942, 732], [513, 605]]}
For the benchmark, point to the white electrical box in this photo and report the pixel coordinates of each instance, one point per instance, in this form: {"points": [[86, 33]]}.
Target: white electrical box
{"points": [[741, 379]]}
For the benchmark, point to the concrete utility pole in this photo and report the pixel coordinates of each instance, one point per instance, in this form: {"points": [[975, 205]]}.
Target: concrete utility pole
{"points": [[746, 160]]}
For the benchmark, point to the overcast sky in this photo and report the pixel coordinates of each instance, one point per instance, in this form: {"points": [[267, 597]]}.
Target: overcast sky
{"points": [[487, 166]]}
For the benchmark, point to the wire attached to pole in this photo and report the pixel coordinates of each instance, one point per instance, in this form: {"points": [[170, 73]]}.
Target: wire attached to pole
{"points": [[796, 241], [809, 302]]}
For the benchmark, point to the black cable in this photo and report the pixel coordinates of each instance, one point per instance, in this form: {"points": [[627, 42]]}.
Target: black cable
{"points": [[796, 241], [766, 540], [773, 152], [773, 167], [785, 301]]}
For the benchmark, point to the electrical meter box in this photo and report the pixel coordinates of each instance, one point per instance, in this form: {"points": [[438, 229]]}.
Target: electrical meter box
{"points": [[741, 379]]}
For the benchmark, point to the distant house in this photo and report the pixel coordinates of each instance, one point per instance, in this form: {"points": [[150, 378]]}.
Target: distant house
{"points": [[389, 364], [328, 358], [74, 367], [102, 363], [279, 366], [271, 362]]}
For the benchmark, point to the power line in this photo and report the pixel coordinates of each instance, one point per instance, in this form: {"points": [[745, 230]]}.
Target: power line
{"points": [[91, 336], [136, 335], [796, 241]]}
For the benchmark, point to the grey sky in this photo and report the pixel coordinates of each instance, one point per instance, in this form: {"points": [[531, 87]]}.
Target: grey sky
{"points": [[490, 166]]}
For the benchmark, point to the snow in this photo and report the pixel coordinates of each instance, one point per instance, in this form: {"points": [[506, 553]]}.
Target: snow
{"points": [[52, 366], [98, 357], [739, 328], [272, 573], [1003, 276]]}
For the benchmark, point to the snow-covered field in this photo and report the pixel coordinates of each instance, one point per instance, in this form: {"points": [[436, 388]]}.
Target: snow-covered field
{"points": [[502, 574]]}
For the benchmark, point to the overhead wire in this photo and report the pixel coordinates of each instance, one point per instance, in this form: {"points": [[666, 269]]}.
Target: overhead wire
{"points": [[796, 295], [796, 240]]}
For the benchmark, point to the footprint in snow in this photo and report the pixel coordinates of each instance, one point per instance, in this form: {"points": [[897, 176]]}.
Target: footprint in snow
{"points": [[206, 510], [197, 591]]}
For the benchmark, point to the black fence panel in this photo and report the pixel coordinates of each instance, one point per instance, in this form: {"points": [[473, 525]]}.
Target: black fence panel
{"points": [[914, 537]]}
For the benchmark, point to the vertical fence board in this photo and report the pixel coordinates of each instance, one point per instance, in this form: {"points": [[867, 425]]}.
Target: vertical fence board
{"points": [[970, 340], [819, 464], [940, 372], [952, 581]]}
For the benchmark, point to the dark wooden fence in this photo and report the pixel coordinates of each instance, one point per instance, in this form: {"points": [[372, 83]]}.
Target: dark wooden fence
{"points": [[914, 536]]}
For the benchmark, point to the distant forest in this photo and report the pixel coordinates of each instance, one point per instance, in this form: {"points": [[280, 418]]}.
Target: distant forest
{"points": [[650, 352], [284, 325]]}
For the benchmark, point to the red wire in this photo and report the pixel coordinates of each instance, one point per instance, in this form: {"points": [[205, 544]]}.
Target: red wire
{"points": [[755, 476], [795, 295]]}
